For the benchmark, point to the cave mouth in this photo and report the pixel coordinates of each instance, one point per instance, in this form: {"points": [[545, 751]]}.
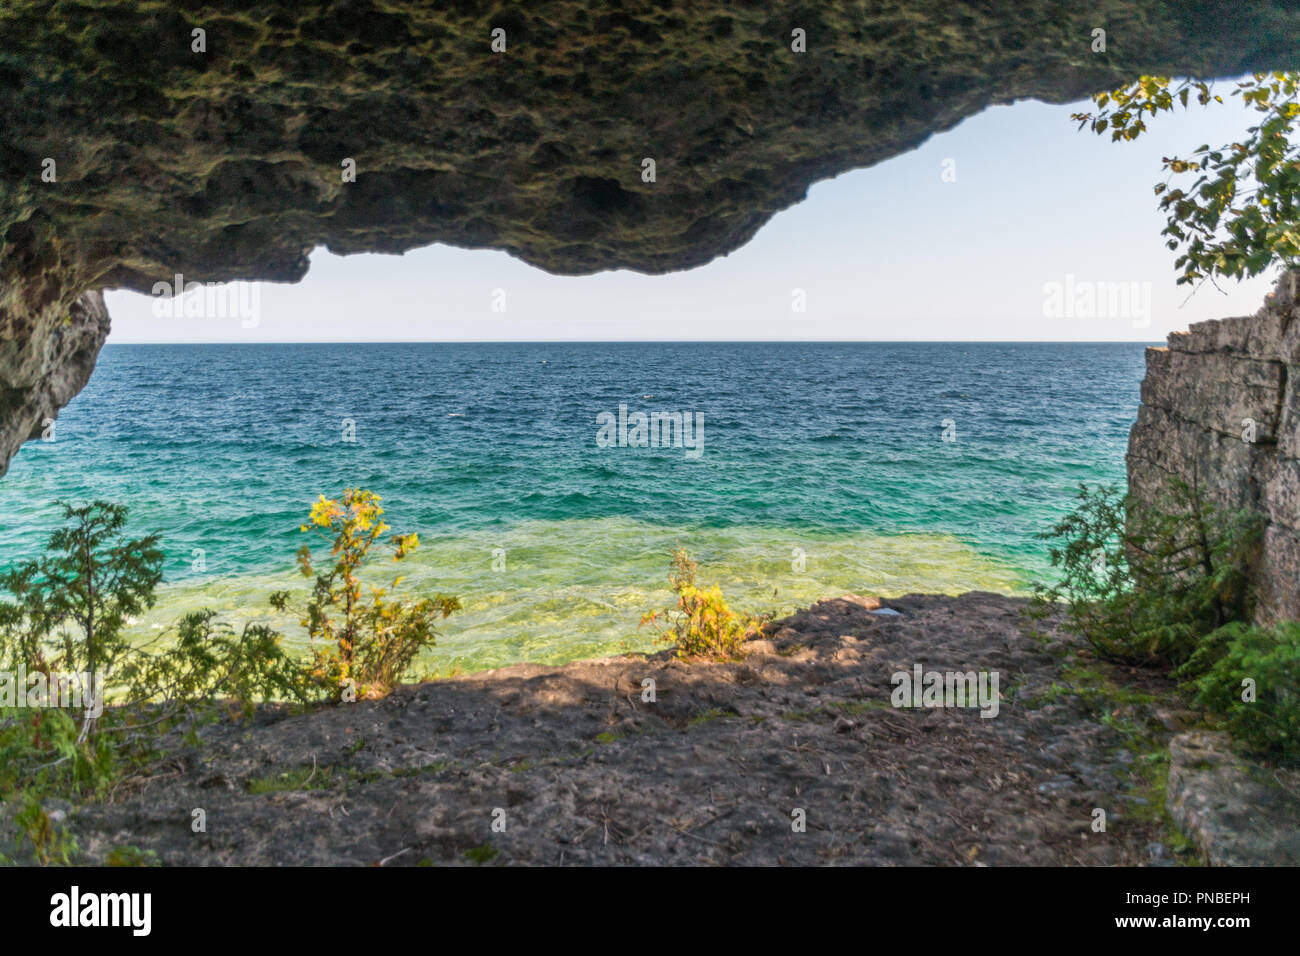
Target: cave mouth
{"points": [[308, 401], [616, 182], [521, 464], [146, 147]]}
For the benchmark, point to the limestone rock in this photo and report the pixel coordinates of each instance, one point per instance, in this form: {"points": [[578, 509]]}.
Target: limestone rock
{"points": [[1226, 806], [588, 773], [1221, 409], [42, 372]]}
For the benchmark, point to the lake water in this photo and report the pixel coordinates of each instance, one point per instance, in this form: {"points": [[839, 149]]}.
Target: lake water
{"points": [[821, 469]]}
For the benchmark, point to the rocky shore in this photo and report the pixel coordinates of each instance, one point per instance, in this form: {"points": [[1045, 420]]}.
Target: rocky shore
{"points": [[793, 755]]}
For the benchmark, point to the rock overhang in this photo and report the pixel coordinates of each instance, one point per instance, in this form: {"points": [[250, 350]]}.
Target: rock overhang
{"points": [[227, 162]]}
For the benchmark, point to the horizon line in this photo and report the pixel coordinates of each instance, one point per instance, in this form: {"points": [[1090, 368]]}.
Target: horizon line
{"points": [[1147, 342]]}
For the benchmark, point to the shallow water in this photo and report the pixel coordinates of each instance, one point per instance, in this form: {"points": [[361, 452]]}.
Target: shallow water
{"points": [[490, 453]]}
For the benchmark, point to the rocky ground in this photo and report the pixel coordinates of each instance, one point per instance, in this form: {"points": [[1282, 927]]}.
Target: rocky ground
{"points": [[579, 768], [574, 766]]}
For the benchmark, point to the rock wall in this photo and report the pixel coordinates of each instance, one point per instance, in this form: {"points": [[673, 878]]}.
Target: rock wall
{"points": [[1221, 407], [41, 371]]}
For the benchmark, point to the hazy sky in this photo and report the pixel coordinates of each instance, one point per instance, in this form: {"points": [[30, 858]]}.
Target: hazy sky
{"points": [[890, 252]]}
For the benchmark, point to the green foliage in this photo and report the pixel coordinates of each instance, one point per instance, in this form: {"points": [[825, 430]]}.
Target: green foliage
{"points": [[208, 661], [1150, 584], [1268, 719], [70, 606], [1093, 560], [482, 854], [68, 614], [1241, 211], [131, 856], [49, 841], [702, 624], [301, 778], [42, 749], [1169, 586], [1094, 687], [361, 645]]}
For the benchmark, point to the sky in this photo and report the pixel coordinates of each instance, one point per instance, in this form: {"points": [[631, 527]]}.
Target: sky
{"points": [[1002, 229]]}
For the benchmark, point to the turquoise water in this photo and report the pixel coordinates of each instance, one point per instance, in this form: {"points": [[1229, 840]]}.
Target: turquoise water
{"points": [[823, 470]]}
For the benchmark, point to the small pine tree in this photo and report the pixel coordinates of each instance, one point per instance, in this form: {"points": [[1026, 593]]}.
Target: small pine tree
{"points": [[1147, 583], [71, 606]]}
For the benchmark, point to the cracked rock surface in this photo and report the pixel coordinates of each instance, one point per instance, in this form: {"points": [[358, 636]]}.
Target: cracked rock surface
{"points": [[1237, 812], [1221, 411]]}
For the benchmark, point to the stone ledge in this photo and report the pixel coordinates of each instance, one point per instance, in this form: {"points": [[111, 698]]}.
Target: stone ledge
{"points": [[1223, 803]]}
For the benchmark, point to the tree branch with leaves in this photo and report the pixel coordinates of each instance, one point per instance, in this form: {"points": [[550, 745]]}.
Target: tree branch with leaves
{"points": [[1232, 210]]}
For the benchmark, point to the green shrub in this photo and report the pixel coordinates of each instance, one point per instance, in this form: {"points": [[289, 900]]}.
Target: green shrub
{"points": [[208, 661], [71, 605], [1169, 585], [50, 842], [702, 624], [1150, 584], [1254, 684], [131, 856], [67, 614]]}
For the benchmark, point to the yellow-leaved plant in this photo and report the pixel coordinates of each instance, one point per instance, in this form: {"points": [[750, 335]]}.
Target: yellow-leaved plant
{"points": [[362, 645], [702, 624]]}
